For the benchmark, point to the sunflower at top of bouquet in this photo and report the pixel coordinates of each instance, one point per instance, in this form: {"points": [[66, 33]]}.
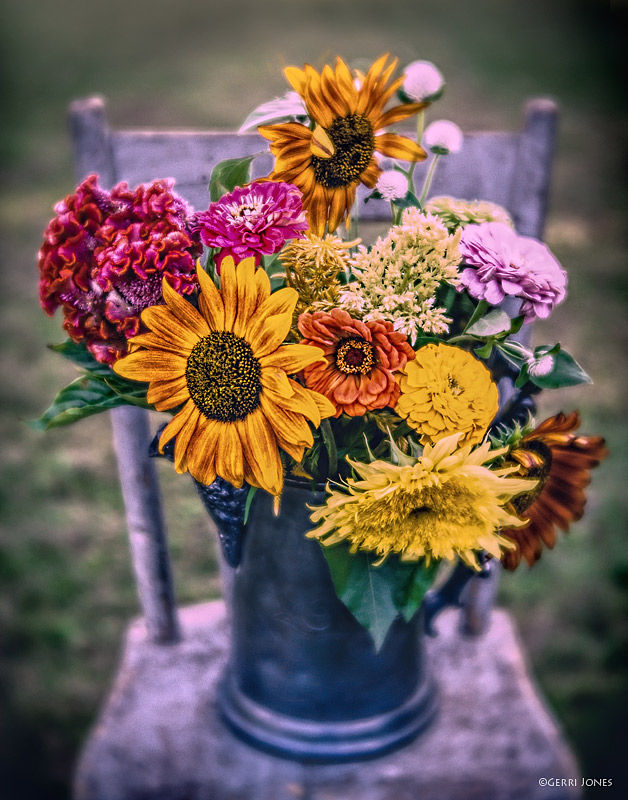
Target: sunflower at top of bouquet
{"points": [[328, 160]]}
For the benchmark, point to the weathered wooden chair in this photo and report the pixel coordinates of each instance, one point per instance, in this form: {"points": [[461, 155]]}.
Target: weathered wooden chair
{"points": [[512, 169]]}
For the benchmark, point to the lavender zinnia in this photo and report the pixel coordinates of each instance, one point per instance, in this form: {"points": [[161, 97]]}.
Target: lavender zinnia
{"points": [[499, 263]]}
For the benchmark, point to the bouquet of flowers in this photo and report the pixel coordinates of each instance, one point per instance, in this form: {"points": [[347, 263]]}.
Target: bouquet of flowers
{"points": [[281, 345]]}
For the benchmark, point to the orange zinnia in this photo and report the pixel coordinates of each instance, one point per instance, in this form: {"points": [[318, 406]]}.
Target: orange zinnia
{"points": [[561, 461], [360, 359], [329, 161]]}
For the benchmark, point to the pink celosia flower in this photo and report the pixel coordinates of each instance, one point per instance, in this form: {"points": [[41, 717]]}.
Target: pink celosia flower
{"points": [[104, 256], [253, 220], [499, 263]]}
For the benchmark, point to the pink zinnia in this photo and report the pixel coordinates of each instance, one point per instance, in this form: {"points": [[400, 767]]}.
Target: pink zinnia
{"points": [[253, 220], [499, 263], [104, 256]]}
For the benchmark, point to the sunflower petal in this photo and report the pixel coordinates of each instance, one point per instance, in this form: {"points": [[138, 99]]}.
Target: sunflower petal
{"points": [[210, 301], [395, 146], [247, 295], [292, 358], [184, 311], [398, 113], [168, 394], [163, 322], [259, 448], [148, 365]]}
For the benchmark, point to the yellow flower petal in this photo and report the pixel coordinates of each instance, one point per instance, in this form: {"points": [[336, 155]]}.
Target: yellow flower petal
{"points": [[229, 462], [148, 365], [164, 323], [394, 146], [259, 447], [247, 295], [229, 291], [168, 394], [184, 311], [280, 303], [210, 301], [292, 358]]}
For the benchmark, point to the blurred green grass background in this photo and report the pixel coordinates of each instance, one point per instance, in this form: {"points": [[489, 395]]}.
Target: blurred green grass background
{"points": [[64, 567]]}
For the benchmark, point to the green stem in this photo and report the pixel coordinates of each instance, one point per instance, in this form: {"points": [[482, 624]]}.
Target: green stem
{"points": [[428, 179], [330, 446], [420, 123]]}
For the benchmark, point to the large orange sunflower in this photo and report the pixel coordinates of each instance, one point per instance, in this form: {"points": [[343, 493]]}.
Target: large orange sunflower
{"points": [[329, 161], [226, 365], [561, 461]]}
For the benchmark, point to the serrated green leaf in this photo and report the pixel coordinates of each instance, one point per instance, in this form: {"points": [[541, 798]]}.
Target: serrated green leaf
{"points": [[494, 323], [228, 174], [287, 107]]}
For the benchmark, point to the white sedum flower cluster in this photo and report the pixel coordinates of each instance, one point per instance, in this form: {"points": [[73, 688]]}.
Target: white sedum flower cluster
{"points": [[398, 278]]}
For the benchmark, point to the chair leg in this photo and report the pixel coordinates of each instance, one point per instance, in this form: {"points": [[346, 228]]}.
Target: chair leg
{"points": [[146, 526], [478, 601]]}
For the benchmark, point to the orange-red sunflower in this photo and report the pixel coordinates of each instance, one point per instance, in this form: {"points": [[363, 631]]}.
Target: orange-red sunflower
{"points": [[561, 461], [226, 366], [329, 161]]}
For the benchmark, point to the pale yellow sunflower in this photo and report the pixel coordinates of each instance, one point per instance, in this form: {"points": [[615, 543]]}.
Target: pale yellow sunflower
{"points": [[444, 504], [329, 161], [226, 365]]}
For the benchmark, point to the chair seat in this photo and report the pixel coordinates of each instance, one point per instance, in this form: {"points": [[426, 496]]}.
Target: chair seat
{"points": [[160, 736]]}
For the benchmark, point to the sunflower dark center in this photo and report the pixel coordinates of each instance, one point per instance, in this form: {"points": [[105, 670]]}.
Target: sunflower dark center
{"points": [[354, 145], [355, 355], [223, 377], [540, 471]]}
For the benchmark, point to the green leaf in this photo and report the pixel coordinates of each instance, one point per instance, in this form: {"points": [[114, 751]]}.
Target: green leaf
{"points": [[81, 398], [494, 323], [330, 445], [78, 353], [409, 201], [228, 174], [565, 371], [484, 351], [376, 595], [249, 501], [363, 589], [477, 313], [420, 578]]}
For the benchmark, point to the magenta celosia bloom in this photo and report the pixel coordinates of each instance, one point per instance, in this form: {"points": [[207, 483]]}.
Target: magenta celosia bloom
{"points": [[104, 256], [498, 263], [253, 220]]}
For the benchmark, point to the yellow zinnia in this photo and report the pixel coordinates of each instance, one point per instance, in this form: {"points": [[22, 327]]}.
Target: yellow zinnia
{"points": [[226, 365], [447, 390], [446, 503], [328, 162]]}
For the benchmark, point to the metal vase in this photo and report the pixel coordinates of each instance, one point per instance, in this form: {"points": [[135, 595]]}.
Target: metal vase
{"points": [[304, 679]]}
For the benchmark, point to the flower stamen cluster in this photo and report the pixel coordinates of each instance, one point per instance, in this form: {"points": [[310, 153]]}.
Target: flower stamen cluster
{"points": [[397, 279]]}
